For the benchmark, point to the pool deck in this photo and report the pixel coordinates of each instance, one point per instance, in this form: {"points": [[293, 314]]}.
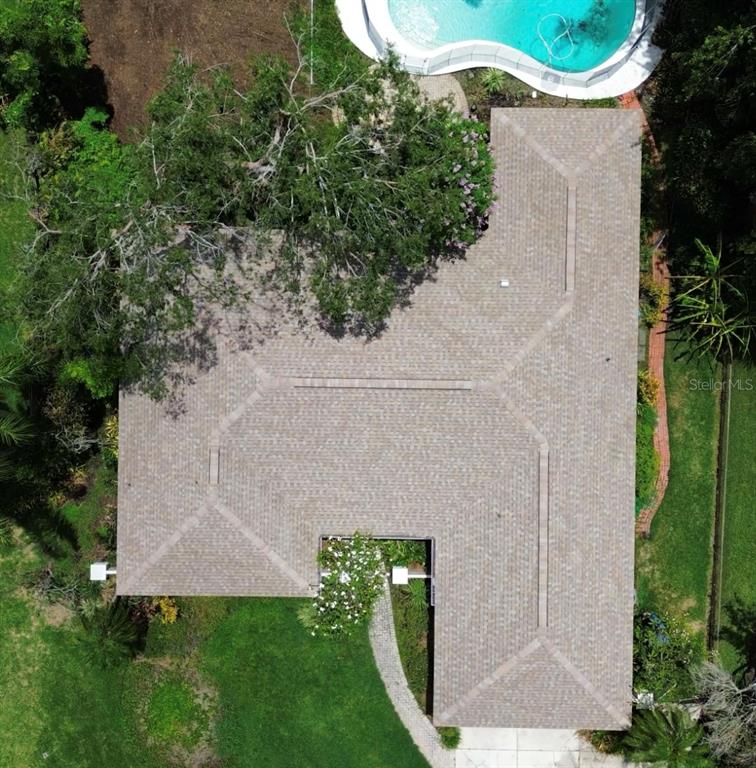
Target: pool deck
{"points": [[630, 75]]}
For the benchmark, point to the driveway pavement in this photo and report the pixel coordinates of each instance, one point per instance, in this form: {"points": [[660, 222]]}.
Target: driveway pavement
{"points": [[529, 748]]}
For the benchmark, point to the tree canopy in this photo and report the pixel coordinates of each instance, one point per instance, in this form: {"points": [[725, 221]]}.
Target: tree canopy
{"points": [[352, 195], [42, 54]]}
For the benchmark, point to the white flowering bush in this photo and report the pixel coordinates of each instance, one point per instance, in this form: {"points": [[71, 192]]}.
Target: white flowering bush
{"points": [[352, 580]]}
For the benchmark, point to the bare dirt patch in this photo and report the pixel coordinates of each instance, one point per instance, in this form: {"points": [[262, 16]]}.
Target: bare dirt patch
{"points": [[133, 42], [56, 614]]}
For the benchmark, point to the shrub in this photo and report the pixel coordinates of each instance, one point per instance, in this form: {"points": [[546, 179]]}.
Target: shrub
{"points": [[110, 635], [493, 81], [653, 300], [6, 532], [606, 742], [352, 581], [403, 551], [667, 737], [663, 652], [100, 377], [648, 388], [167, 610], [411, 620], [109, 439], [450, 736], [646, 456]]}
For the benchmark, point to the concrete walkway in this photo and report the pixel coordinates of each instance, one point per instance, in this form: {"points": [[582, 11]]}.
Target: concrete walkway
{"points": [[386, 652], [480, 747], [529, 748]]}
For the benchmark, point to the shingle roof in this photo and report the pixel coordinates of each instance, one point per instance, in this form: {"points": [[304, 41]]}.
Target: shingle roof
{"points": [[499, 421]]}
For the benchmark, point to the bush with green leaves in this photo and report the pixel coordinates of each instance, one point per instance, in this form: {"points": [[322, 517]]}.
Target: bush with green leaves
{"points": [[110, 635], [403, 551], [352, 579], [647, 459], [663, 653], [653, 300], [450, 736], [493, 81], [42, 48], [667, 737]]}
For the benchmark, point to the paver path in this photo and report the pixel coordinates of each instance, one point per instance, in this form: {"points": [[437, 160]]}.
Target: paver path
{"points": [[386, 652], [441, 87], [656, 345]]}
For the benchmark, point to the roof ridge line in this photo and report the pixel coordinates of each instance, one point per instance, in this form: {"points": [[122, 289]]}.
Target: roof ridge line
{"points": [[167, 545], [275, 559], [537, 147], [583, 681], [603, 147], [496, 675]]}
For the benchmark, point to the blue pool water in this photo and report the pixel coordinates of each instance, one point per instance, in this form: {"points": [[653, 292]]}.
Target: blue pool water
{"points": [[575, 35]]}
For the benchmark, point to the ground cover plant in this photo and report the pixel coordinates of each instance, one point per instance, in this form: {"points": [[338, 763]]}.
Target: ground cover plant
{"points": [[674, 565], [16, 227], [738, 585], [412, 619]]}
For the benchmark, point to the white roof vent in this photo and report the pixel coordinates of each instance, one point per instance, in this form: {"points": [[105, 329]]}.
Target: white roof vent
{"points": [[504, 283]]}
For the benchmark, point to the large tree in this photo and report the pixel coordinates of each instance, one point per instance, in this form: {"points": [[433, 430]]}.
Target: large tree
{"points": [[340, 198]]}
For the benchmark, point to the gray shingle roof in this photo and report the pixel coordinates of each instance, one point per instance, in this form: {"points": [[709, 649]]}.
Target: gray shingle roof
{"points": [[499, 421]]}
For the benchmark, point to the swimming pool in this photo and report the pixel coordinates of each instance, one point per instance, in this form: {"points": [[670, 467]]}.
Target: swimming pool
{"points": [[565, 35]]}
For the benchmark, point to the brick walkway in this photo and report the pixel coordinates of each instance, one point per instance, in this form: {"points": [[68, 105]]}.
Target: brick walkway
{"points": [[656, 344], [386, 652]]}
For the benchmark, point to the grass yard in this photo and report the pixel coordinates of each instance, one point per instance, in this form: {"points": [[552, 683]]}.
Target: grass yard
{"points": [[290, 699], [674, 565], [738, 589], [55, 702], [236, 682]]}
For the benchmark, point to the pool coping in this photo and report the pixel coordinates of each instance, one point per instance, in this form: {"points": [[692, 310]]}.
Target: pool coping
{"points": [[370, 26]]}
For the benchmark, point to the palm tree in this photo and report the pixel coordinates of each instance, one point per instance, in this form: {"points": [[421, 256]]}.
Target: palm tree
{"points": [[667, 738], [15, 427], [110, 635], [710, 310]]}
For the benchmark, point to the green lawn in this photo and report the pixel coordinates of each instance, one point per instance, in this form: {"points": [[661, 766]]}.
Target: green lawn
{"points": [[674, 566], [290, 699], [54, 700], [739, 539], [238, 679]]}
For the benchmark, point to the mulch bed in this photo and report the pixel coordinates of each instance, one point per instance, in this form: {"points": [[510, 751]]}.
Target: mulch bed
{"points": [[133, 42]]}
